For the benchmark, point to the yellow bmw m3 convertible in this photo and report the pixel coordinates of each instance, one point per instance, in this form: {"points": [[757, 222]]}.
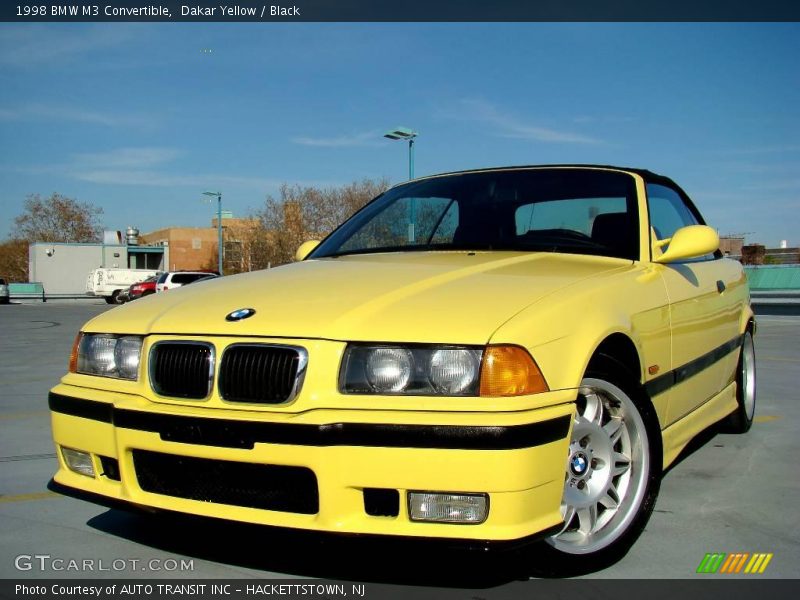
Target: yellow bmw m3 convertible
{"points": [[489, 357]]}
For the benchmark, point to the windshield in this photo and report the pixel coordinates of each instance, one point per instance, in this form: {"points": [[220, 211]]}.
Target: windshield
{"points": [[572, 210]]}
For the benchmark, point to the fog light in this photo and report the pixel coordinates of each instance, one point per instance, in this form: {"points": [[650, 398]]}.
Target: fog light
{"points": [[80, 462], [448, 508]]}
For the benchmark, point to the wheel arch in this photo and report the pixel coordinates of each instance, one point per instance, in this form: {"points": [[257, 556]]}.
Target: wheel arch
{"points": [[621, 349]]}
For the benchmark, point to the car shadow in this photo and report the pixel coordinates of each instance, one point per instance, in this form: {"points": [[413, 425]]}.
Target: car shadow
{"points": [[311, 554], [696, 443]]}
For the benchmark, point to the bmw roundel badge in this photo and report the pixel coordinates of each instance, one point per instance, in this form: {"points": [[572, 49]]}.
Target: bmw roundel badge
{"points": [[239, 314]]}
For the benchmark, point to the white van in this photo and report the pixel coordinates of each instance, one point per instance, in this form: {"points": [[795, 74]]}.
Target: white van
{"points": [[108, 283]]}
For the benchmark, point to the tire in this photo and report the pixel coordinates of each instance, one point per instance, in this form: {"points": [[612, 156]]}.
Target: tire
{"points": [[112, 299], [740, 420], [613, 473]]}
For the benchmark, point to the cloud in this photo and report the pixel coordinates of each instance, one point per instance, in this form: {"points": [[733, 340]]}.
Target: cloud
{"points": [[130, 158], [65, 113], [160, 179], [509, 126], [583, 119], [776, 149], [149, 166], [776, 185], [33, 45], [368, 138]]}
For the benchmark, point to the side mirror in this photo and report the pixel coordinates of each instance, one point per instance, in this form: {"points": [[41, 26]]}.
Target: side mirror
{"points": [[305, 249], [688, 242]]}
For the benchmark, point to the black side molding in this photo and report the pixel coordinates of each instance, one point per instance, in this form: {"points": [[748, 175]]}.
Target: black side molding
{"points": [[664, 382]]}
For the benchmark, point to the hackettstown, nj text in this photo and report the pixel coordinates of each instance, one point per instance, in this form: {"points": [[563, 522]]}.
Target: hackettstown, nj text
{"points": [[325, 590]]}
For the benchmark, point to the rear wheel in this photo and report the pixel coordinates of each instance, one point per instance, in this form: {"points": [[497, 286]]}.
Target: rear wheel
{"points": [[740, 420], [612, 473], [112, 299]]}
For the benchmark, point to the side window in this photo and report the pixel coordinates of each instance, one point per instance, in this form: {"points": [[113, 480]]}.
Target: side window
{"points": [[668, 212]]}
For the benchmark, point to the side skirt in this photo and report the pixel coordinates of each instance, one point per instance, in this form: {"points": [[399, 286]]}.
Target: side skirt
{"points": [[676, 436]]}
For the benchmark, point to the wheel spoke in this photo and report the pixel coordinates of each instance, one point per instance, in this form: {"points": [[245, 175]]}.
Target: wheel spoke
{"points": [[610, 499], [621, 464], [587, 519], [568, 516], [614, 429], [593, 411]]}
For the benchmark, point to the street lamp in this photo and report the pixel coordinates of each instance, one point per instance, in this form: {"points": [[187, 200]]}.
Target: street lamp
{"points": [[404, 133], [219, 227]]}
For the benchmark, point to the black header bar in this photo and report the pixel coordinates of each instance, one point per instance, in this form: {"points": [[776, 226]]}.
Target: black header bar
{"points": [[266, 11]]}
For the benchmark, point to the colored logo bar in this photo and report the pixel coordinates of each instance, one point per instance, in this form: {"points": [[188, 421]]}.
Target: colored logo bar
{"points": [[735, 562]]}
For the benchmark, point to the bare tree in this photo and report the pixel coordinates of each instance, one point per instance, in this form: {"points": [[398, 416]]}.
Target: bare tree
{"points": [[54, 219], [14, 260], [58, 219], [302, 213]]}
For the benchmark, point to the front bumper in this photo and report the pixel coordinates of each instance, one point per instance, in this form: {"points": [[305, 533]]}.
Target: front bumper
{"points": [[517, 458]]}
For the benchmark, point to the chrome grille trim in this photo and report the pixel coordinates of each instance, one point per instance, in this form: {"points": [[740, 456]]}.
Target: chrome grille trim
{"points": [[181, 362]]}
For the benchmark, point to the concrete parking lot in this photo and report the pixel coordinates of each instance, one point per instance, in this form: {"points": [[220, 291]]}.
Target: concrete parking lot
{"points": [[729, 493]]}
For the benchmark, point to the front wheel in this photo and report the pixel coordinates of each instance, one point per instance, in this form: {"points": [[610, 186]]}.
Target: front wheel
{"points": [[612, 474]]}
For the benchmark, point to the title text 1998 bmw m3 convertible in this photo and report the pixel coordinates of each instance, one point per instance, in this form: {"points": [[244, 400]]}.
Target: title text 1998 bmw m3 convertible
{"points": [[490, 356]]}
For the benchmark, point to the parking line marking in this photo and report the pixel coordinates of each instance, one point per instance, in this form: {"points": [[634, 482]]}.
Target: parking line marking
{"points": [[27, 457], [779, 359], [767, 418], [23, 415], [26, 497]]}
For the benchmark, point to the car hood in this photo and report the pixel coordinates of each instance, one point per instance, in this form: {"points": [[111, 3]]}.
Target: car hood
{"points": [[436, 297]]}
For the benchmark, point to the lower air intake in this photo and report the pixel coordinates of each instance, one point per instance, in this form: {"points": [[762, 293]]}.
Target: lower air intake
{"points": [[269, 487]]}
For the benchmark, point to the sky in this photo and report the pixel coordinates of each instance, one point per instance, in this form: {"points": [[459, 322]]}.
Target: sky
{"points": [[141, 118]]}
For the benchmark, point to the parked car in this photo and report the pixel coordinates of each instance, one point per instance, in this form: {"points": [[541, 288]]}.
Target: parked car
{"points": [[175, 279], [489, 358], [201, 279], [4, 294], [109, 283], [142, 289]]}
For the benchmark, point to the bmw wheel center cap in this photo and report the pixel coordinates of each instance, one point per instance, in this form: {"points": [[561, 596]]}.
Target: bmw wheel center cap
{"points": [[579, 464]]}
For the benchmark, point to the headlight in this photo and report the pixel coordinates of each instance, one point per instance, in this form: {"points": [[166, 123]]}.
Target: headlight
{"points": [[411, 370], [108, 355], [388, 369]]}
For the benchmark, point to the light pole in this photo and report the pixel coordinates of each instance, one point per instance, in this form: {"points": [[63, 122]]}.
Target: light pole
{"points": [[219, 227], [404, 133]]}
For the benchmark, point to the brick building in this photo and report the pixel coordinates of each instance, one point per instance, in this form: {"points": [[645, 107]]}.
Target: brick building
{"points": [[192, 248]]}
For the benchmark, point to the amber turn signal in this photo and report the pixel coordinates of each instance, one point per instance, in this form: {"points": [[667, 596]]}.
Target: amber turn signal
{"points": [[73, 356], [510, 371]]}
